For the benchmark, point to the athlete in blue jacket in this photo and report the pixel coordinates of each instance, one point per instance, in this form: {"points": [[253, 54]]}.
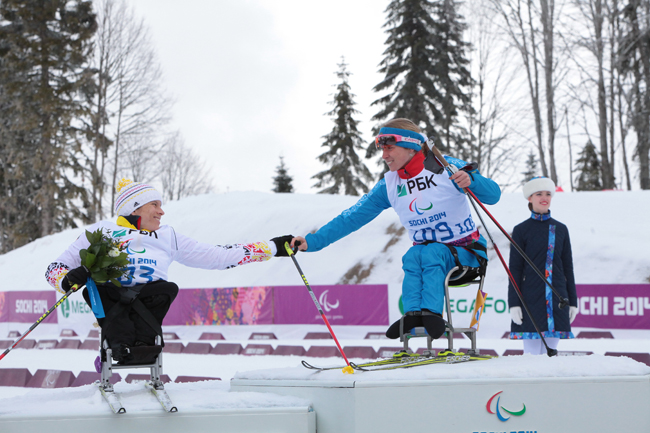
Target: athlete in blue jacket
{"points": [[432, 207]]}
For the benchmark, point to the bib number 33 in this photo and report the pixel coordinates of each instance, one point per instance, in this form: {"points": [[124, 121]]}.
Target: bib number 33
{"points": [[139, 274]]}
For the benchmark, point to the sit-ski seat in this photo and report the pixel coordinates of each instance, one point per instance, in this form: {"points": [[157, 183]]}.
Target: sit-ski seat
{"points": [[456, 276]]}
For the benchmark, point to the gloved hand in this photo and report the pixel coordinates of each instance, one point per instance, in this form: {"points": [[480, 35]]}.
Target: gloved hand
{"points": [[77, 276], [573, 312], [517, 315], [279, 244]]}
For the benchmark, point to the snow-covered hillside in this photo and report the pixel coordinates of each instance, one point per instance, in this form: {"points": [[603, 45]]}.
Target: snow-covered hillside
{"points": [[607, 229]]}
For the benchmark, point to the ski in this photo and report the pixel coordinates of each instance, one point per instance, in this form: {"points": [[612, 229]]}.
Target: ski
{"points": [[407, 360], [341, 367], [113, 400], [159, 392], [313, 367], [451, 358], [402, 358]]}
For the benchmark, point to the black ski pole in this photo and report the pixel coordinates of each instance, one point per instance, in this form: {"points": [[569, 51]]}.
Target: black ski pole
{"points": [[348, 369], [40, 319], [450, 170]]}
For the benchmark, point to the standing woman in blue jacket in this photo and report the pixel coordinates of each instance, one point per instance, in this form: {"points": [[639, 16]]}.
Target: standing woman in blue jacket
{"points": [[432, 207], [546, 242]]}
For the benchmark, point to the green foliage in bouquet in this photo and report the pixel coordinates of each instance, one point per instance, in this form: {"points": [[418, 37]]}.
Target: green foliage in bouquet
{"points": [[104, 258]]}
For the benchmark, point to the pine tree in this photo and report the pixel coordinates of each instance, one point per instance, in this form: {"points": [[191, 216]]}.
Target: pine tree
{"points": [[282, 180], [425, 65], [347, 173], [589, 167], [531, 168], [44, 52]]}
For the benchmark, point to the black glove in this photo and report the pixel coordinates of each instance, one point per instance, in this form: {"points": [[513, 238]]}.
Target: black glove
{"points": [[77, 276], [279, 244]]}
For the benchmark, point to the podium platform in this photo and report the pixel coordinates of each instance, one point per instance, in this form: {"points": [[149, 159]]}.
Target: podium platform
{"points": [[203, 407], [244, 420], [509, 394]]}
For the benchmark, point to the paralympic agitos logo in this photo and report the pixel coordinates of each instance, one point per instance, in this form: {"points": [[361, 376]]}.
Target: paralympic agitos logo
{"points": [[500, 409]]}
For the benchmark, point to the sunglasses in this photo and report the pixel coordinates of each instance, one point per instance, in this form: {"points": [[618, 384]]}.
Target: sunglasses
{"points": [[383, 140]]}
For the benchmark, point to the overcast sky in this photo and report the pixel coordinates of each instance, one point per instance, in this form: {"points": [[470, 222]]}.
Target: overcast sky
{"points": [[252, 79]]}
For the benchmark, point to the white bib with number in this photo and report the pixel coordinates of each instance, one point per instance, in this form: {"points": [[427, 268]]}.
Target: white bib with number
{"points": [[430, 207], [150, 253]]}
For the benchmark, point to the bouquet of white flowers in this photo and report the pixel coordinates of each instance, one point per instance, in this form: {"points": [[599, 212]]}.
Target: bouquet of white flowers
{"points": [[104, 258]]}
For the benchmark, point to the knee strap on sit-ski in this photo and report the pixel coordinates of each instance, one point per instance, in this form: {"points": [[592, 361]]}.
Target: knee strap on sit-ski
{"points": [[412, 313], [472, 248], [131, 297]]}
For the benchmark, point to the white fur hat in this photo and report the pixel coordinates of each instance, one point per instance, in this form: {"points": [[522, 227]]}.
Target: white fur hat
{"points": [[537, 184], [131, 195]]}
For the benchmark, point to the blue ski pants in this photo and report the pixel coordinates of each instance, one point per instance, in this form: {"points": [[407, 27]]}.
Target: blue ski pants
{"points": [[425, 269]]}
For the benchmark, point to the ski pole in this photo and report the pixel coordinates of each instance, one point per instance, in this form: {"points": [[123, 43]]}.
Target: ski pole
{"points": [[347, 369], [450, 169], [564, 302], [43, 317], [549, 351]]}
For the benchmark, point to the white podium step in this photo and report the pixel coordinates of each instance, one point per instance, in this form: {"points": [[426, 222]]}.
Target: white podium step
{"points": [[533, 394]]}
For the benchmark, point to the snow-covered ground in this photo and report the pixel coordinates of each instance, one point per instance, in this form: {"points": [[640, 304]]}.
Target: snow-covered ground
{"points": [[609, 240]]}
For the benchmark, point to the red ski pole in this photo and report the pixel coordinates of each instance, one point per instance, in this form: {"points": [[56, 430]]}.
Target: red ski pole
{"points": [[473, 198], [347, 369], [564, 302]]}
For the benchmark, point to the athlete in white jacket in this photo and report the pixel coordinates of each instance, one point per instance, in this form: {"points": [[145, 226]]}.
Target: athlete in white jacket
{"points": [[151, 249]]}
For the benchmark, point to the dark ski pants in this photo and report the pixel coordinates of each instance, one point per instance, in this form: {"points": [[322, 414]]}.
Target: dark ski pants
{"points": [[126, 325]]}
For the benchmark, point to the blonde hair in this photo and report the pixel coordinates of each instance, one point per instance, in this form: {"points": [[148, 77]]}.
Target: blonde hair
{"points": [[407, 124]]}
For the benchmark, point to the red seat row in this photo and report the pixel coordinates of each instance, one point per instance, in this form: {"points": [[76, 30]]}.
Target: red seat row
{"points": [[94, 333], [21, 377], [218, 349]]}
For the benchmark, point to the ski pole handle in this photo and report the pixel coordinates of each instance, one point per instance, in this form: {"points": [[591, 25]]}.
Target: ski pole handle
{"points": [[450, 168], [288, 248]]}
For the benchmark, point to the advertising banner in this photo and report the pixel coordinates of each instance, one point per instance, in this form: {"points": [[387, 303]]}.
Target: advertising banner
{"points": [[609, 306], [27, 307], [222, 306], [342, 304], [622, 306], [74, 313]]}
